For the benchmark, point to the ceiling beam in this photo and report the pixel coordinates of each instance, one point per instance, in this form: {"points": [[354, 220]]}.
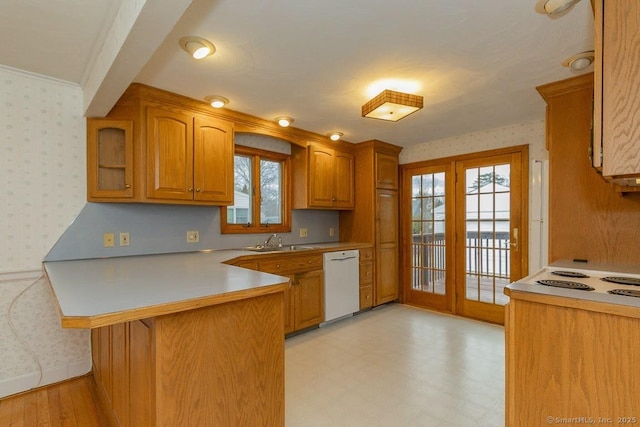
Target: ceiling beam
{"points": [[137, 31]]}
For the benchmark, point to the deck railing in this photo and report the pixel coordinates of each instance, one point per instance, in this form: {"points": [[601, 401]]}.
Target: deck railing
{"points": [[487, 253]]}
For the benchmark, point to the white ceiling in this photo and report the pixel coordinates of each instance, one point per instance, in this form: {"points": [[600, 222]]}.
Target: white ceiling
{"points": [[476, 63]]}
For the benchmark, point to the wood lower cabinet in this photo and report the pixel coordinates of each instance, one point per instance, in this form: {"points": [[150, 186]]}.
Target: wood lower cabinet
{"points": [[366, 278], [304, 300], [323, 178], [375, 218], [567, 359], [221, 365], [308, 299]]}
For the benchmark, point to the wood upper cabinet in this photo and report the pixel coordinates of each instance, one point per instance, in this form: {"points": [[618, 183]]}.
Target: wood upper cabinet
{"points": [[109, 159], [386, 172], [189, 157], [617, 88], [323, 178]]}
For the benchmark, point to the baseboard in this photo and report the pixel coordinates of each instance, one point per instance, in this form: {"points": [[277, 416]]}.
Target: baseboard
{"points": [[51, 375]]}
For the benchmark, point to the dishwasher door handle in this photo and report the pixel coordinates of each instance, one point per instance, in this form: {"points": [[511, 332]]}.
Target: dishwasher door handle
{"points": [[342, 259]]}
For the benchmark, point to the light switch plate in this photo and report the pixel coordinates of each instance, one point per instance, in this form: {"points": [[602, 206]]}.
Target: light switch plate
{"points": [[193, 236], [124, 239], [304, 232]]}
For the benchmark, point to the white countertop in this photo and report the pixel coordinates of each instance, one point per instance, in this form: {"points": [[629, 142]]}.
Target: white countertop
{"points": [[595, 272], [98, 287]]}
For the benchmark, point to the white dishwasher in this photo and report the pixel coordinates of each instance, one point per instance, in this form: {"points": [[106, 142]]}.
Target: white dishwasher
{"points": [[341, 284]]}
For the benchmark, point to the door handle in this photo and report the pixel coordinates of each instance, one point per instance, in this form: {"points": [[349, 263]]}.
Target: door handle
{"points": [[516, 240]]}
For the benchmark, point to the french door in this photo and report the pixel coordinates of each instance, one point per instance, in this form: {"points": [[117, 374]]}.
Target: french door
{"points": [[463, 234]]}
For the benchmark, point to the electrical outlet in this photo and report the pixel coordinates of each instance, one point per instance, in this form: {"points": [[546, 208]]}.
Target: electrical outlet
{"points": [[303, 232], [124, 239], [332, 231], [193, 236], [108, 240]]}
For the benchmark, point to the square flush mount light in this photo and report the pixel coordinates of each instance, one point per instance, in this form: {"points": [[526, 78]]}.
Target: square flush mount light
{"points": [[392, 106]]}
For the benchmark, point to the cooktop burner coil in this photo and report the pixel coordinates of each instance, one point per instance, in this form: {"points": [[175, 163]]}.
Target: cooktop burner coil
{"points": [[626, 292], [633, 281], [573, 274], [566, 284]]}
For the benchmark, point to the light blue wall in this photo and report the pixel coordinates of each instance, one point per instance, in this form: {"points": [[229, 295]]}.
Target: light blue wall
{"points": [[157, 229]]}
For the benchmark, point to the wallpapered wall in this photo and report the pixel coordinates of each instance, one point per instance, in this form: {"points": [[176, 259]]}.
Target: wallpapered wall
{"points": [[42, 134], [531, 133]]}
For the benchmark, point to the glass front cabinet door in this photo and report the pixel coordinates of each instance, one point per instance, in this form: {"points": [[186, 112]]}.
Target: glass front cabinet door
{"points": [[109, 159]]}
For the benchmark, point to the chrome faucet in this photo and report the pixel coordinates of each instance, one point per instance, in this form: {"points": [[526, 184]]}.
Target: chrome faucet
{"points": [[268, 244]]}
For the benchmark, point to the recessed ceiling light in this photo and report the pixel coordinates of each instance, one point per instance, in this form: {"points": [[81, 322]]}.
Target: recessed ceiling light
{"points": [[580, 61], [216, 101], [284, 121], [554, 7], [197, 47], [334, 136]]}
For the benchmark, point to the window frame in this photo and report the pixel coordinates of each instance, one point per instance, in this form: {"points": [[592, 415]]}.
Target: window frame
{"points": [[255, 226]]}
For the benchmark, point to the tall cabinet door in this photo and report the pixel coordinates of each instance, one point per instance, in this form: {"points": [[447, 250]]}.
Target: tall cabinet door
{"points": [[344, 180], [386, 246], [321, 172], [212, 160], [169, 155]]}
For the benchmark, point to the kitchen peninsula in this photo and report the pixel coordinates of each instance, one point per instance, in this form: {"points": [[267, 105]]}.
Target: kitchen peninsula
{"points": [[179, 339]]}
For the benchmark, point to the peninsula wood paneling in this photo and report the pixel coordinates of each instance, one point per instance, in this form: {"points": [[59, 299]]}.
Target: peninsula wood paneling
{"points": [[588, 219]]}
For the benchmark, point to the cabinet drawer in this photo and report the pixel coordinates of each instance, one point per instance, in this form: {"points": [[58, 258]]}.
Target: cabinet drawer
{"points": [[366, 254], [366, 297], [287, 264], [366, 273]]}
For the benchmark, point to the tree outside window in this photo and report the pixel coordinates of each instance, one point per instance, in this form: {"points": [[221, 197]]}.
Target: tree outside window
{"points": [[261, 204]]}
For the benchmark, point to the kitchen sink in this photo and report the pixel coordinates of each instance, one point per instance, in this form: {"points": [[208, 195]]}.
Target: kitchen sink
{"points": [[286, 248]]}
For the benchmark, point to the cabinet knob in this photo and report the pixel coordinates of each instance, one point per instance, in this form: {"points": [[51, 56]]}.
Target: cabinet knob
{"points": [[197, 190], [333, 199], [127, 186], [190, 190]]}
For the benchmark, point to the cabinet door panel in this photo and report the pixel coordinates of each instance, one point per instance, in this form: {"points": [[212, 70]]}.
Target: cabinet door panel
{"points": [[169, 155], [386, 217], [109, 158], [321, 172], [213, 161], [386, 171], [344, 180], [288, 310], [141, 402], [387, 274], [308, 299]]}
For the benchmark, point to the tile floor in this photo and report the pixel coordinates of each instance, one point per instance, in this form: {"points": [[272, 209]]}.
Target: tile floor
{"points": [[396, 366]]}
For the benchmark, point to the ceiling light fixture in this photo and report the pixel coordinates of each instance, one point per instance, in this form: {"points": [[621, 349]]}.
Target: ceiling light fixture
{"points": [[335, 136], [216, 101], [555, 7], [580, 61], [283, 121], [391, 105], [197, 46]]}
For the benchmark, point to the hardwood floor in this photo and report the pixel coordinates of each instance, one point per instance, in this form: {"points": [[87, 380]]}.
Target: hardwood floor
{"points": [[71, 403]]}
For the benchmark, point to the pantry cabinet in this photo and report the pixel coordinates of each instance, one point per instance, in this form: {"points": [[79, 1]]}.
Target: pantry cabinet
{"points": [[375, 217], [323, 178], [188, 157], [616, 126], [109, 158]]}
